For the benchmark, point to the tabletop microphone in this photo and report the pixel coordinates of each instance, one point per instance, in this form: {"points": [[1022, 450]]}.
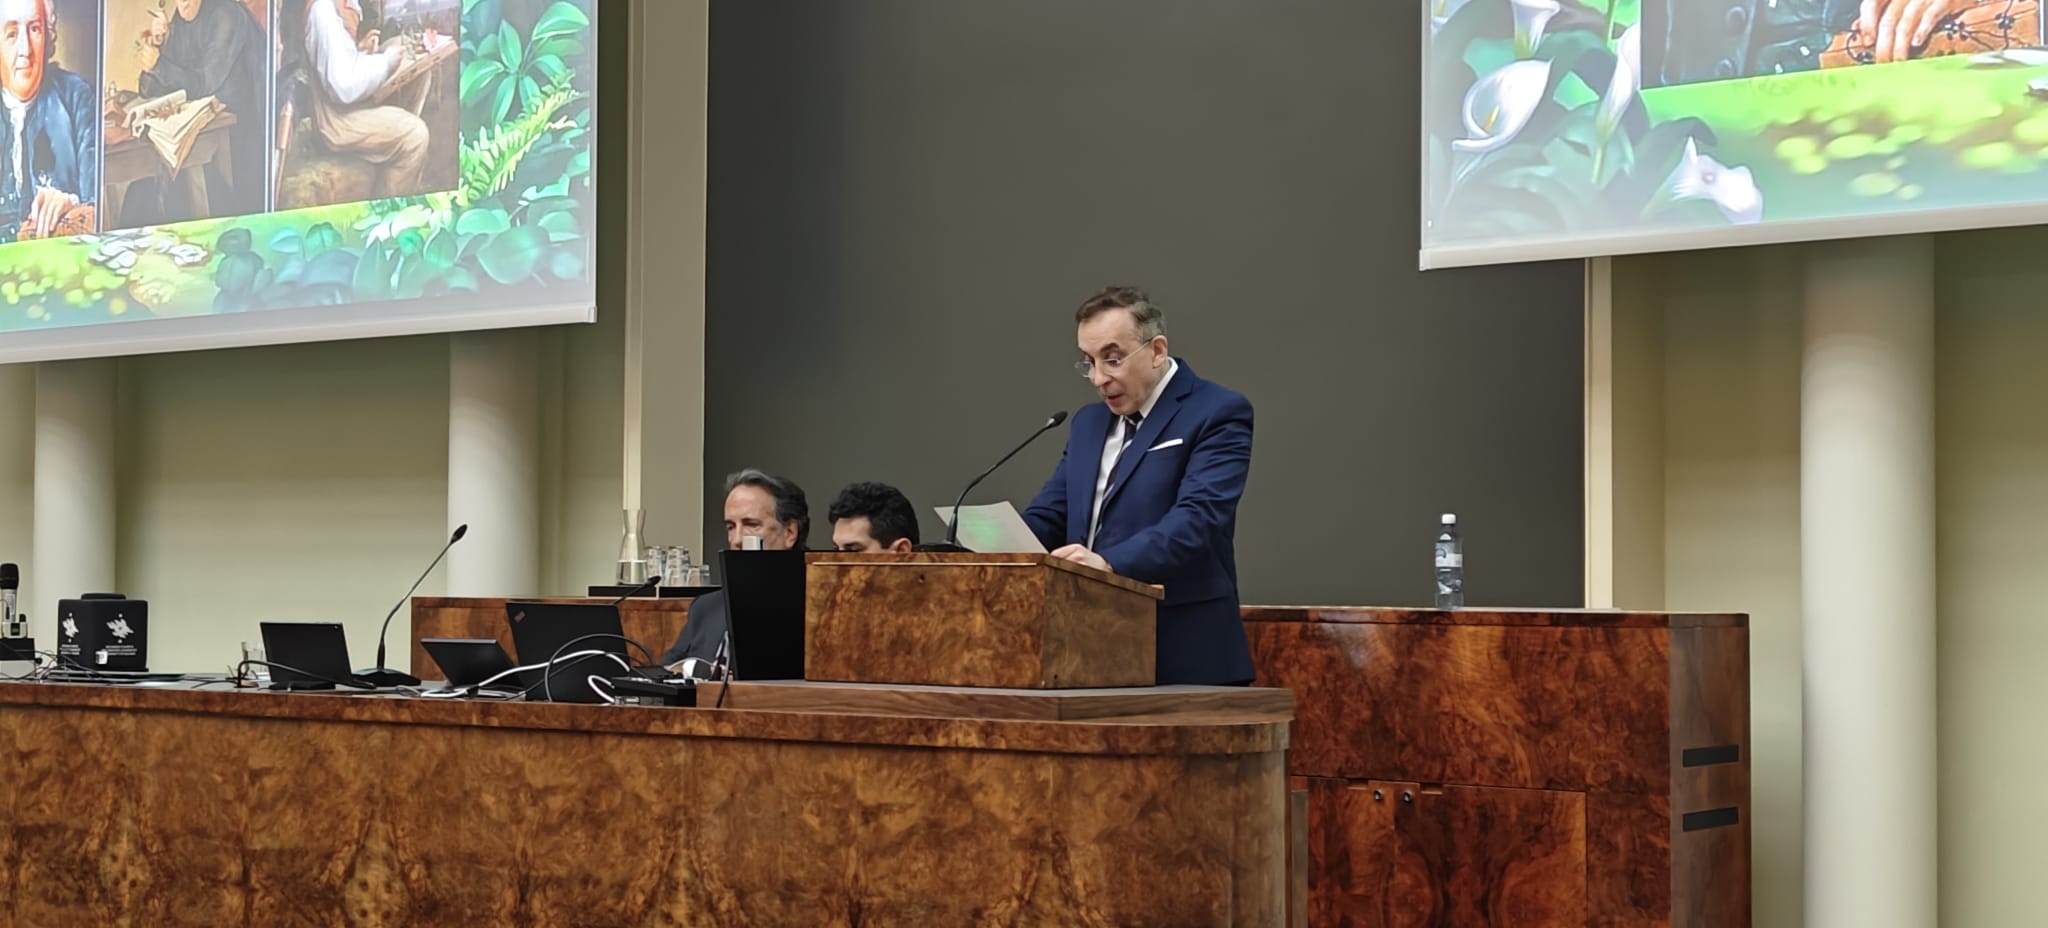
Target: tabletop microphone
{"points": [[10, 587], [383, 675], [953, 530], [653, 581]]}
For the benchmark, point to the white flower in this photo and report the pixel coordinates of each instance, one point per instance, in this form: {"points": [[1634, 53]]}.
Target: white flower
{"points": [[1622, 88], [1530, 18], [1500, 104], [1441, 11], [1700, 177]]}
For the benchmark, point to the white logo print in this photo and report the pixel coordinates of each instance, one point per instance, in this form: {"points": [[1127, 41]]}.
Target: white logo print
{"points": [[70, 628], [119, 628]]}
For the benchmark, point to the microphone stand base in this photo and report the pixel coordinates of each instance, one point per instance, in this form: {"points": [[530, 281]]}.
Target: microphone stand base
{"points": [[384, 676]]}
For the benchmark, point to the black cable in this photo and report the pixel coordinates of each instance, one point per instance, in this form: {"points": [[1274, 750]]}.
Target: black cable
{"points": [[724, 668], [547, 670], [352, 683]]}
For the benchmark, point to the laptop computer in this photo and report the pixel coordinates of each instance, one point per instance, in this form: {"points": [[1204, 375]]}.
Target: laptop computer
{"points": [[467, 662], [307, 655], [540, 630], [764, 609]]}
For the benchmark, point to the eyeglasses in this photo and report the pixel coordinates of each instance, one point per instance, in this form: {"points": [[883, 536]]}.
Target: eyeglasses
{"points": [[1086, 366]]}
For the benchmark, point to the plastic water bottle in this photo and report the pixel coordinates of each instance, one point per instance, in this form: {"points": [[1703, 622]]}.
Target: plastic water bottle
{"points": [[1450, 565]]}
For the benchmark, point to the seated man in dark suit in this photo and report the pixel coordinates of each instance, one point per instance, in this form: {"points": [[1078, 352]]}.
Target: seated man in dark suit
{"points": [[757, 505], [1149, 484], [872, 518]]}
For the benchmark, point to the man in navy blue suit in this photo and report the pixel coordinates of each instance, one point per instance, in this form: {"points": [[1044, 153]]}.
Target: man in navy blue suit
{"points": [[1149, 484]]}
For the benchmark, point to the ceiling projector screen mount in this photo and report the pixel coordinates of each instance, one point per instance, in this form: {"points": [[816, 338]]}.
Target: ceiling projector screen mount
{"points": [[213, 173], [1568, 129]]}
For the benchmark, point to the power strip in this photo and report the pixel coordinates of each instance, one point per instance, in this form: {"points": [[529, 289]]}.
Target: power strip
{"points": [[640, 691]]}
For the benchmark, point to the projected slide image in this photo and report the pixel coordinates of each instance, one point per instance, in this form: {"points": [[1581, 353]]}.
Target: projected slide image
{"points": [[299, 154], [1547, 121], [368, 103], [186, 110], [49, 169]]}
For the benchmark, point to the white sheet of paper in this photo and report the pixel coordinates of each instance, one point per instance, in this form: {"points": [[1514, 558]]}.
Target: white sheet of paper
{"points": [[993, 528]]}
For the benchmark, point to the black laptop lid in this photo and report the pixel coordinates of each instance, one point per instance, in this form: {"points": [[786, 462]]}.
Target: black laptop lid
{"points": [[541, 629], [306, 654], [470, 661], [764, 606]]}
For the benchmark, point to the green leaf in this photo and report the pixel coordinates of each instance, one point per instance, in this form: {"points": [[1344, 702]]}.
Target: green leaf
{"points": [[559, 47], [512, 257], [478, 75], [579, 165], [560, 19], [320, 239], [237, 271], [441, 250], [501, 104], [489, 220], [529, 90], [566, 263], [561, 226], [468, 5], [373, 274], [488, 49], [235, 241], [551, 67], [510, 50], [285, 241], [411, 242]]}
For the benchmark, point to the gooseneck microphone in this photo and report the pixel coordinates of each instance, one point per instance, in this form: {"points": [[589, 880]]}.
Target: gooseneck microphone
{"points": [[953, 530], [10, 587], [382, 675], [644, 586]]}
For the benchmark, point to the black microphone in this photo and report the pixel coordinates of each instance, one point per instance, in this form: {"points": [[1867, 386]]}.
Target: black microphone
{"points": [[953, 530], [382, 675], [642, 588], [10, 586]]}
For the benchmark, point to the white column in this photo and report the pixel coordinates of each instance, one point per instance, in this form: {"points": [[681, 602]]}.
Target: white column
{"points": [[1867, 583], [494, 463], [73, 535]]}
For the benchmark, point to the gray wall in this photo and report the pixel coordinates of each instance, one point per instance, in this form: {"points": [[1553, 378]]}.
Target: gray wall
{"points": [[908, 198]]}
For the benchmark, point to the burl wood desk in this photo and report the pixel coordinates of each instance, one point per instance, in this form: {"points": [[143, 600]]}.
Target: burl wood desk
{"points": [[1470, 768], [163, 807]]}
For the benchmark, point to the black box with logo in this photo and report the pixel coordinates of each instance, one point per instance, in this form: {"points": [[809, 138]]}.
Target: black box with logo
{"points": [[103, 633]]}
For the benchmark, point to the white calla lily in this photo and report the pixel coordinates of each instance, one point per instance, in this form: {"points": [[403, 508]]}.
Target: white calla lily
{"points": [[1531, 16], [1441, 11], [1626, 83], [1500, 104], [1700, 177]]}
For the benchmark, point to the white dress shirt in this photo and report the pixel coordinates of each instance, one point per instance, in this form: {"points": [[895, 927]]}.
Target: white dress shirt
{"points": [[1115, 444], [349, 72]]}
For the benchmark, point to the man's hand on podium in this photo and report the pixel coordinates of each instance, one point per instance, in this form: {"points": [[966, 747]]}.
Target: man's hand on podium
{"points": [[1080, 554]]}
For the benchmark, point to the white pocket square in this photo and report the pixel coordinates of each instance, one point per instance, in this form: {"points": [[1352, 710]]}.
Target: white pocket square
{"points": [[1165, 444]]}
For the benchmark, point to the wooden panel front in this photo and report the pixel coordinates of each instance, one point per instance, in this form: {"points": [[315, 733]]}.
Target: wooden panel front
{"points": [[654, 623], [1527, 707], [1609, 749], [987, 703], [168, 808], [1012, 621]]}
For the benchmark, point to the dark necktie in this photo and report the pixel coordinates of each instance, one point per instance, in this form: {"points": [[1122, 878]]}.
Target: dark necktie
{"points": [[1131, 423]]}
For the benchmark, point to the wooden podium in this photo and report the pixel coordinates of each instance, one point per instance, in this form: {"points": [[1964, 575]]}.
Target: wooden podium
{"points": [[1554, 768], [1020, 621]]}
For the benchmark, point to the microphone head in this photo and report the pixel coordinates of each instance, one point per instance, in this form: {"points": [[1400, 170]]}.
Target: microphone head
{"points": [[1056, 418], [460, 531], [10, 577]]}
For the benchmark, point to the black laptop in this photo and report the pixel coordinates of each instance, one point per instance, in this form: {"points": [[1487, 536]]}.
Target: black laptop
{"points": [[467, 662], [542, 630], [307, 655], [764, 608]]}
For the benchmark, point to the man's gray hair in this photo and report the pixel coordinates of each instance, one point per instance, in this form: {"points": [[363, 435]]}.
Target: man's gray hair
{"points": [[1146, 315], [790, 504]]}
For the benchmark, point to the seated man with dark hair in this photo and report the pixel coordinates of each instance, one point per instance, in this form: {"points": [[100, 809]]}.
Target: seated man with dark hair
{"points": [[872, 518], [757, 505]]}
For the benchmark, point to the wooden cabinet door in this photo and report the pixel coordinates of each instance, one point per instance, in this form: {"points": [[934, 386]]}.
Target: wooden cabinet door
{"points": [[1396, 855]]}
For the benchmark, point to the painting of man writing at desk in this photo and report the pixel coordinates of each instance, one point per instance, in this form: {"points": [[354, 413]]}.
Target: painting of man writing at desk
{"points": [[49, 138], [368, 99], [188, 86]]}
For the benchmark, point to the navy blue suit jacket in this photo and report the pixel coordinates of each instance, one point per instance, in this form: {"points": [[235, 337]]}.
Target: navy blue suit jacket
{"points": [[1169, 516]]}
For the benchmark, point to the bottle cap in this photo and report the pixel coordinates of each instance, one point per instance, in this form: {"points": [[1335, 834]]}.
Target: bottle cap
{"points": [[1450, 518]]}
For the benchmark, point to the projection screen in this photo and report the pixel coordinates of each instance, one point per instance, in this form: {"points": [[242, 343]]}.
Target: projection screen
{"points": [[1565, 129], [183, 174]]}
